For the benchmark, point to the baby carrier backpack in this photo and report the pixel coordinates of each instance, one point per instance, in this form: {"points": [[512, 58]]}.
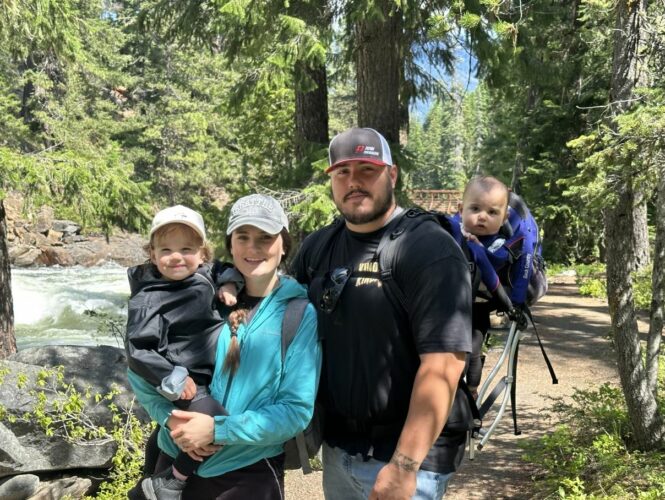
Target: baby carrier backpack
{"points": [[522, 222]]}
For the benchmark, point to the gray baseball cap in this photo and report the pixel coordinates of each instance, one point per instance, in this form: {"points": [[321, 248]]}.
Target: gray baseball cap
{"points": [[258, 210]]}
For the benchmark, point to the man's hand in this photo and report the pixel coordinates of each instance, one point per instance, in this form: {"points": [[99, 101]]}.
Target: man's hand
{"points": [[396, 480], [190, 389], [518, 315], [196, 432]]}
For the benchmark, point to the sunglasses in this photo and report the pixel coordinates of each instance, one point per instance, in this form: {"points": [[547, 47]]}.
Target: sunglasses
{"points": [[336, 279]]}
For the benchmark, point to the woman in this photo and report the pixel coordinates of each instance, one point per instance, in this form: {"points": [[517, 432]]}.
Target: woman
{"points": [[268, 401]]}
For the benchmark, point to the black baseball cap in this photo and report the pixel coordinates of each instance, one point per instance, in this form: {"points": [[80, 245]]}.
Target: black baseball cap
{"points": [[358, 144]]}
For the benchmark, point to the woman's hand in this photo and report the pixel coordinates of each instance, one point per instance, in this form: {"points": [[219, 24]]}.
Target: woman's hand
{"points": [[191, 430]]}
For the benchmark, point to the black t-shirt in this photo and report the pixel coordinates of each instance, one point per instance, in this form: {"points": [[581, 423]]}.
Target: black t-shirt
{"points": [[371, 348]]}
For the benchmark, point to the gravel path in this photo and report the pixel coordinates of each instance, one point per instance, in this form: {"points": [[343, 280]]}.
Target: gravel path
{"points": [[574, 331]]}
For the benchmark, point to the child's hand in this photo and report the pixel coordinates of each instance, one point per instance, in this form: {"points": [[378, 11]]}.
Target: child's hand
{"points": [[190, 389], [473, 237], [227, 294]]}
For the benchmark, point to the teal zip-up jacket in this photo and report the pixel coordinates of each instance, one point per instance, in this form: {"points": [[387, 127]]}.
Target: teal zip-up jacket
{"points": [[267, 403]]}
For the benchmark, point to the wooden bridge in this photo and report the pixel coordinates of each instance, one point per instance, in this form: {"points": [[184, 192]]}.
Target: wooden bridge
{"points": [[442, 200]]}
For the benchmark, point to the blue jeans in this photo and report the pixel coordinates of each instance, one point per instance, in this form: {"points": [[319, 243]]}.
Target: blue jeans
{"points": [[349, 477]]}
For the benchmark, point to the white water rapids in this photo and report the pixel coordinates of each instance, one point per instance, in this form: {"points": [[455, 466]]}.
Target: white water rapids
{"points": [[70, 305]]}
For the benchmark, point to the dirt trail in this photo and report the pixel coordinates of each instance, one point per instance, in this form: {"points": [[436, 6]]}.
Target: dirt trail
{"points": [[574, 331]]}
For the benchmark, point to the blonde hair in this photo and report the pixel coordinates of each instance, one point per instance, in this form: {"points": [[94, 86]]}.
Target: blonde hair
{"points": [[164, 231]]}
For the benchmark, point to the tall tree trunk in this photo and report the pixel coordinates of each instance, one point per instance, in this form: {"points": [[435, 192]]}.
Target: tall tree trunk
{"points": [[522, 147], [7, 338], [378, 69], [627, 74], [311, 111], [641, 233], [620, 231], [657, 284]]}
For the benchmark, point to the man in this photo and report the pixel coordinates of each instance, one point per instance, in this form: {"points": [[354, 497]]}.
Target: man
{"points": [[389, 375]]}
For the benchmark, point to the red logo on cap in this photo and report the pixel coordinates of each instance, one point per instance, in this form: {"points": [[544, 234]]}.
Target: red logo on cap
{"points": [[360, 148]]}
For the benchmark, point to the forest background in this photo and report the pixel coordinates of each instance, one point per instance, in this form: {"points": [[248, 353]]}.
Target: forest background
{"points": [[112, 109]]}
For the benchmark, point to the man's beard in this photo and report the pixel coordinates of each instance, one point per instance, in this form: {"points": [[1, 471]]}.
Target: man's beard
{"points": [[381, 207]]}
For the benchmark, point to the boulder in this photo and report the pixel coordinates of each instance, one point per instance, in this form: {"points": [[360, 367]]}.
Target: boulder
{"points": [[19, 487], [41, 240], [68, 487], [76, 238], [24, 446], [13, 203], [67, 227], [54, 237], [44, 220], [125, 249], [99, 367], [24, 255], [56, 255]]}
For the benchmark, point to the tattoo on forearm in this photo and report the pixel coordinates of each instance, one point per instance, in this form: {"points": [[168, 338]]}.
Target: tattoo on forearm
{"points": [[405, 463]]}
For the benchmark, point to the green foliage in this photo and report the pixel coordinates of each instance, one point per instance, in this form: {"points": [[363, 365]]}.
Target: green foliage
{"points": [[63, 152], [62, 410], [589, 456], [642, 288], [591, 281], [317, 209], [547, 79], [445, 148], [594, 288]]}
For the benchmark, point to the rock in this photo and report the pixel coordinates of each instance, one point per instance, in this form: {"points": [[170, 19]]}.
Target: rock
{"points": [[24, 255], [44, 220], [125, 249], [24, 446], [18, 231], [76, 238], [70, 487], [52, 256], [54, 237], [66, 227], [50, 242], [19, 487], [99, 367], [13, 203]]}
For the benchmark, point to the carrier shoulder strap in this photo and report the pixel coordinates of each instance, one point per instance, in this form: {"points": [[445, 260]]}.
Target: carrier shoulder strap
{"points": [[322, 242], [408, 221], [293, 314], [387, 251]]}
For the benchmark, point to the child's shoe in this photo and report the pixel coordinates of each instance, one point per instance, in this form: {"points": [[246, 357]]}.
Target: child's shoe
{"points": [[163, 486]]}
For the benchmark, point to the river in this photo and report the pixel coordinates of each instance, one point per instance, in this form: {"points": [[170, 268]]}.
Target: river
{"points": [[70, 305]]}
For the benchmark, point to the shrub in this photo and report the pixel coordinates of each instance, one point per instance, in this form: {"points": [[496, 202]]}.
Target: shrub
{"points": [[588, 456], [62, 410]]}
